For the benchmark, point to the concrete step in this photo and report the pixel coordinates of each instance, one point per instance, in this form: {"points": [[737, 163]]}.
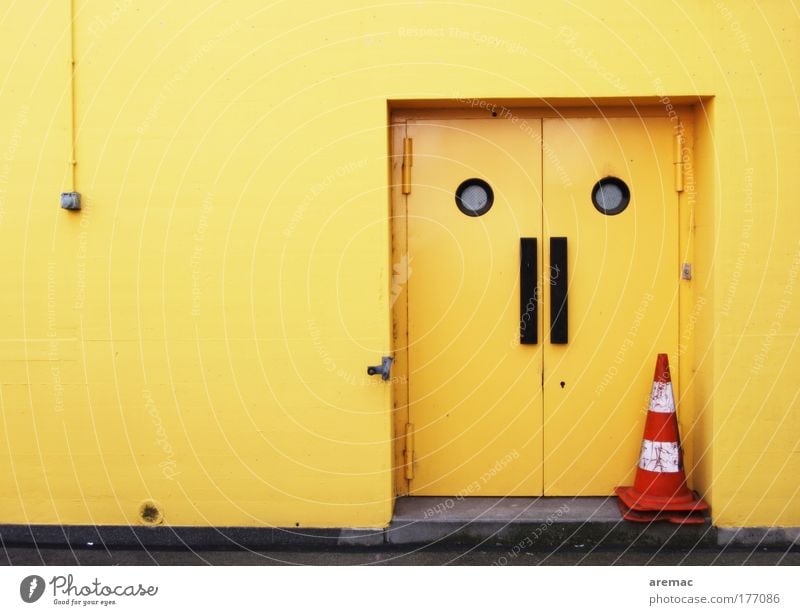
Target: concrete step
{"points": [[533, 523]]}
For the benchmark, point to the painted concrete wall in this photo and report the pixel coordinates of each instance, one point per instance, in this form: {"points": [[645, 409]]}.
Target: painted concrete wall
{"points": [[198, 334]]}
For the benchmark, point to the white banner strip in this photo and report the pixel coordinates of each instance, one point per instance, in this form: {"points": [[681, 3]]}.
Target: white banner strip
{"points": [[374, 590], [660, 456], [661, 398]]}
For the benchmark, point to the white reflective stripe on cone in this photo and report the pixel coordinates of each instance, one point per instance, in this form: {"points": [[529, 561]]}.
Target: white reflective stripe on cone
{"points": [[660, 456], [661, 399]]}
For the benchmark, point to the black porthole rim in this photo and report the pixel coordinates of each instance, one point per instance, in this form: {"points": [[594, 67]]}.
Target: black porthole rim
{"points": [[623, 187], [474, 181]]}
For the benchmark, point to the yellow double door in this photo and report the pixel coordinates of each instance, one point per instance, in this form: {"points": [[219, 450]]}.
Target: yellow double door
{"points": [[543, 281]]}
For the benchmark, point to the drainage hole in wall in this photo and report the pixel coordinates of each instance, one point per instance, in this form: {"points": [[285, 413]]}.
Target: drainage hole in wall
{"points": [[150, 513]]}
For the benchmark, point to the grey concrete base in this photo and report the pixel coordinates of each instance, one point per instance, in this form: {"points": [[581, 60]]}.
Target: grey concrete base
{"points": [[140, 537], [783, 537], [517, 524], [533, 523], [361, 537]]}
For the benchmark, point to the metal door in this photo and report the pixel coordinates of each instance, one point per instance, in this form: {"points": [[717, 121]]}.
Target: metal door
{"points": [[611, 237], [475, 395], [543, 259]]}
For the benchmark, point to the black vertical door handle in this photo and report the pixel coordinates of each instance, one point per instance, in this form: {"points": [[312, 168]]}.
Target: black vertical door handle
{"points": [[559, 321], [528, 299]]}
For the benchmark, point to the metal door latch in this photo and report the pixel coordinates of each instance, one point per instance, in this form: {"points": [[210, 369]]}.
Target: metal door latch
{"points": [[383, 369]]}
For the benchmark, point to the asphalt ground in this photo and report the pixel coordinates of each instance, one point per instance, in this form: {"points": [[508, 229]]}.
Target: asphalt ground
{"points": [[98, 556]]}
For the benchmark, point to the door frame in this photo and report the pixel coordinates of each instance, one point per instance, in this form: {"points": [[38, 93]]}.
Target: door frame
{"points": [[399, 113]]}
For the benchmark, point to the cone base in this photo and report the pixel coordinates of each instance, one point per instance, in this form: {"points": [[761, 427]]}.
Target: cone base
{"points": [[642, 502], [676, 516]]}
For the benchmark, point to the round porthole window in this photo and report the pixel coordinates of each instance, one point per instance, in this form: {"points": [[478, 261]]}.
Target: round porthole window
{"points": [[474, 197], [611, 196]]}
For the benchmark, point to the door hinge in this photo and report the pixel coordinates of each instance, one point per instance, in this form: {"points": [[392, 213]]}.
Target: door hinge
{"points": [[408, 161], [408, 453], [677, 161]]}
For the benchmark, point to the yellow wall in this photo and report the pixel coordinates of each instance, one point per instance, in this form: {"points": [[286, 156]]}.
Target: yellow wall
{"points": [[199, 333]]}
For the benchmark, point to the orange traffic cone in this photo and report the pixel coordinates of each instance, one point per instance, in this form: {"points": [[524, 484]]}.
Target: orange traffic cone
{"points": [[660, 483]]}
